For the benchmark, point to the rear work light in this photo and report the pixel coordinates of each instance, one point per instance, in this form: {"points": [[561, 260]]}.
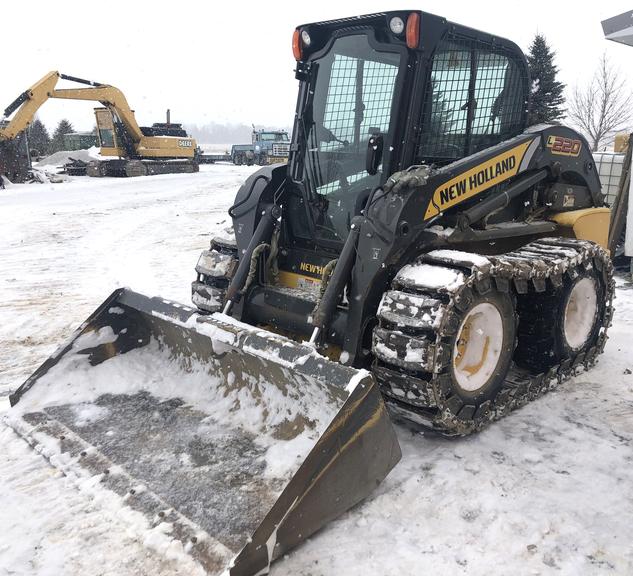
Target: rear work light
{"points": [[413, 30]]}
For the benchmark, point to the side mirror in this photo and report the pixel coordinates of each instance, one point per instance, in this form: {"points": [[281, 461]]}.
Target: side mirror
{"points": [[374, 153]]}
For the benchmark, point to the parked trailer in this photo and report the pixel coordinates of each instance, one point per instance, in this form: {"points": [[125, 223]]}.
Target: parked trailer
{"points": [[213, 158]]}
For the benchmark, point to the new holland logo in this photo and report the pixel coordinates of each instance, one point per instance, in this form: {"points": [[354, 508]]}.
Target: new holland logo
{"points": [[311, 268], [476, 180]]}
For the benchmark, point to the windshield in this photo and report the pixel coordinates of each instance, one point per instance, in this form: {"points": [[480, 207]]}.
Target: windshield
{"points": [[353, 99], [275, 136]]}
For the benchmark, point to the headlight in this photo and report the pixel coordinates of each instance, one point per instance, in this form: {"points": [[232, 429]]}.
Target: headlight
{"points": [[256, 148], [306, 37], [396, 25]]}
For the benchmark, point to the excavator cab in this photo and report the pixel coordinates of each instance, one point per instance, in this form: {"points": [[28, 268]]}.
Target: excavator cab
{"points": [[106, 132]]}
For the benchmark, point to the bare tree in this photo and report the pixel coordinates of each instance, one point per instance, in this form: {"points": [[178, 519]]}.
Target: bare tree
{"points": [[602, 108]]}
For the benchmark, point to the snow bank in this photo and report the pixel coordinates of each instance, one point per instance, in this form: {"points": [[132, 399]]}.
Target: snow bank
{"points": [[63, 157]]}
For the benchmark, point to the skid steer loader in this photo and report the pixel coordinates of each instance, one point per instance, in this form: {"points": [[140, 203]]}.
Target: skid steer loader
{"points": [[440, 258]]}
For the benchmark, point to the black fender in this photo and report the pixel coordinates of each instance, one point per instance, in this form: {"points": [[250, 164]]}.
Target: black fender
{"points": [[259, 189]]}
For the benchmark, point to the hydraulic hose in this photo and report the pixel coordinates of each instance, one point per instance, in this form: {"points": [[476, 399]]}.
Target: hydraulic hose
{"points": [[262, 234], [327, 304]]}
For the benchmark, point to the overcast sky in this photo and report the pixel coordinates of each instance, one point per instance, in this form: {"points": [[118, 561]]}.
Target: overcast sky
{"points": [[231, 61]]}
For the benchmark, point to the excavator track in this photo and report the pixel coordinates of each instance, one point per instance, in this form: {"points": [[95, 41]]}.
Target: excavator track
{"points": [[419, 317]]}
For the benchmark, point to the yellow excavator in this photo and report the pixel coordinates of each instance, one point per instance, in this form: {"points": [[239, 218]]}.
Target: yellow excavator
{"points": [[163, 148]]}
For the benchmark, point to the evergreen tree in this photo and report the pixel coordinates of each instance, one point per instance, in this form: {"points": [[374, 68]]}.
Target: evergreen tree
{"points": [[64, 127], [39, 139], [440, 124], [441, 113], [547, 93]]}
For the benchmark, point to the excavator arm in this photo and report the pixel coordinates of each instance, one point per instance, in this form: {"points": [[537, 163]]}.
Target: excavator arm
{"points": [[29, 102]]}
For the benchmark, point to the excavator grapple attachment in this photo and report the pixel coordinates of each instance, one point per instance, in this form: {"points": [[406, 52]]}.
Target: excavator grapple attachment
{"points": [[235, 442]]}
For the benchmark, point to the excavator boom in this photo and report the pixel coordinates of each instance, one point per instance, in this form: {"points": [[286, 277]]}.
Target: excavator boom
{"points": [[30, 101], [110, 97]]}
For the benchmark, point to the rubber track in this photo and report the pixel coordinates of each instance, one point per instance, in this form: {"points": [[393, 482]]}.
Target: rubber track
{"points": [[209, 289], [417, 323]]}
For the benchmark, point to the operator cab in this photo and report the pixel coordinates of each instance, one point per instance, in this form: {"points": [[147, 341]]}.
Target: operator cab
{"points": [[372, 102]]}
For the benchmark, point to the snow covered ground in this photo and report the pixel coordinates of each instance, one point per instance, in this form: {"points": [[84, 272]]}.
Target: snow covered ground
{"points": [[64, 247], [548, 490]]}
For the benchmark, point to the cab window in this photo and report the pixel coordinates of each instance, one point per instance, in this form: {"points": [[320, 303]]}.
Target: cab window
{"points": [[475, 99]]}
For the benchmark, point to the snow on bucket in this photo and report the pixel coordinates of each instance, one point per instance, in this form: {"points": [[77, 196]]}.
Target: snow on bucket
{"points": [[243, 442]]}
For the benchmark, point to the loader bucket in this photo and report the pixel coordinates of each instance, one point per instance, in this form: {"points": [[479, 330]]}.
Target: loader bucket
{"points": [[236, 442]]}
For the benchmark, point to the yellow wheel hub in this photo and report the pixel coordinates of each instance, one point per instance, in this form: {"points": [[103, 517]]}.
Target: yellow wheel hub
{"points": [[581, 313], [478, 347]]}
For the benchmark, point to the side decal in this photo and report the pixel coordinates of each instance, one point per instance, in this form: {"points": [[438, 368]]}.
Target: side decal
{"points": [[476, 180], [564, 146]]}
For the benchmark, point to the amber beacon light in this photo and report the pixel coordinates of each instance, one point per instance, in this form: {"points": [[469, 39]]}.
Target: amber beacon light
{"points": [[413, 30], [296, 45]]}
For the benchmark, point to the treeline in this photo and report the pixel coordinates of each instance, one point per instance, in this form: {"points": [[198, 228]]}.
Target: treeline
{"points": [[42, 143]]}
